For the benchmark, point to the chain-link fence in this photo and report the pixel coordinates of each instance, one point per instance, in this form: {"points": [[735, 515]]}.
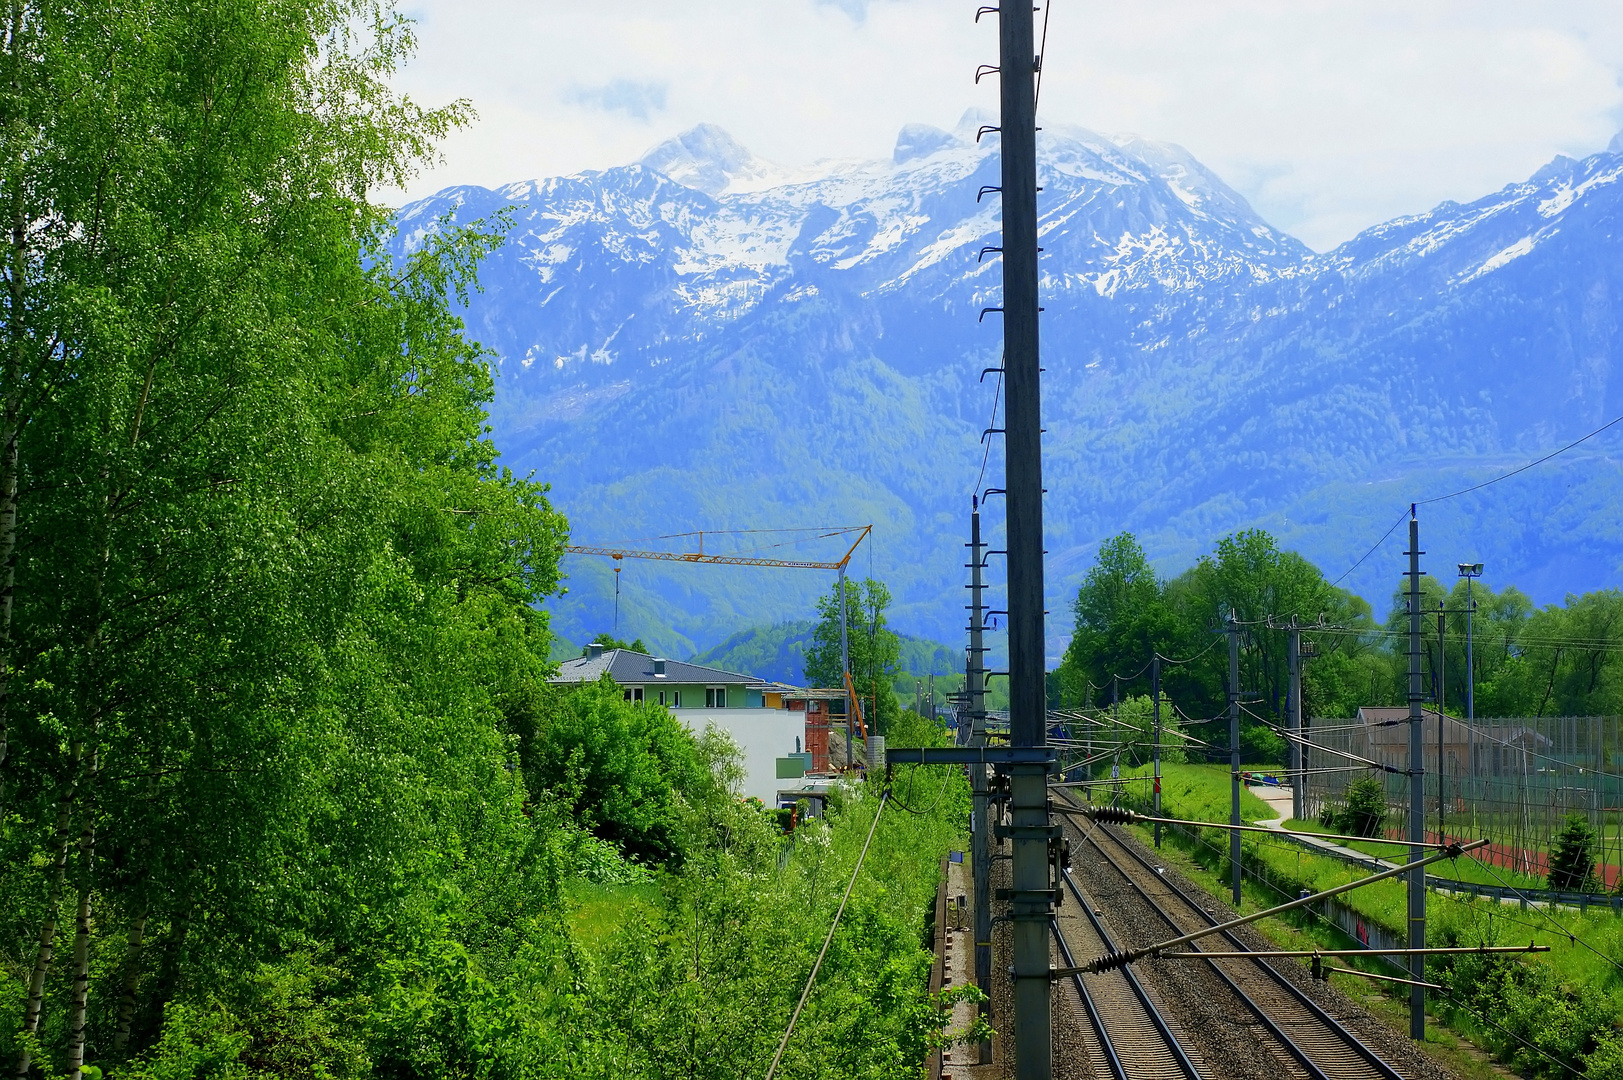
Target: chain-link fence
{"points": [[1513, 782]]}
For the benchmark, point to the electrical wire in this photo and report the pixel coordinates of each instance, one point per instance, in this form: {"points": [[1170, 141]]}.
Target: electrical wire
{"points": [[1475, 487], [987, 454], [1568, 934], [1524, 468], [1512, 1034], [1371, 551], [810, 979], [1042, 59], [1198, 838], [946, 778]]}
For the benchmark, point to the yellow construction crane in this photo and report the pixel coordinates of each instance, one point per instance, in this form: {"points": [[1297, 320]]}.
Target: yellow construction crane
{"points": [[618, 554], [700, 556]]}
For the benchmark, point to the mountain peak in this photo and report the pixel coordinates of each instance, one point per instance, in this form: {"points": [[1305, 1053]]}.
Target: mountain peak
{"points": [[921, 140], [1616, 145], [707, 158], [972, 121]]}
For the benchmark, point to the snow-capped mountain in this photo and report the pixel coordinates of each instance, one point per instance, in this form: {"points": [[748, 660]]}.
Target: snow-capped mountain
{"points": [[707, 339]]}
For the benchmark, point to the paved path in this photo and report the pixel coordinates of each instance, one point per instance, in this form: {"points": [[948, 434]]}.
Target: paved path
{"points": [[1280, 800]]}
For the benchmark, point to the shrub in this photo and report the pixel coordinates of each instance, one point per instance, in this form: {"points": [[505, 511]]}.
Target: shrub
{"points": [[1363, 814], [1572, 860]]}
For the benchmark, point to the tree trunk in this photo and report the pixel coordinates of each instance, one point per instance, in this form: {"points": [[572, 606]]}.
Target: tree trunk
{"points": [[132, 976], [47, 931], [10, 391], [169, 961], [81, 935]]}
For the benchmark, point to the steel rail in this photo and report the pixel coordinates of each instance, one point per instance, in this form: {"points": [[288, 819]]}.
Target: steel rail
{"points": [[1185, 1066], [1315, 1069], [1106, 1044]]}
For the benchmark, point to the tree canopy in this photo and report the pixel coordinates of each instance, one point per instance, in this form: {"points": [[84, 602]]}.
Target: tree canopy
{"points": [[874, 649]]}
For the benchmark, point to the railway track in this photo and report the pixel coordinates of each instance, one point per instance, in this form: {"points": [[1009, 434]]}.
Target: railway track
{"points": [[1308, 1043], [1131, 1039]]}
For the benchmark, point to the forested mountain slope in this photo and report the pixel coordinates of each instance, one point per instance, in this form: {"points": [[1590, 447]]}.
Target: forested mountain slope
{"points": [[703, 339]]}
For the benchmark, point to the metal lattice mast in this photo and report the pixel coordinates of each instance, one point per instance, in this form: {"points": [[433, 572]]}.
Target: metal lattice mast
{"points": [[1417, 795], [980, 842], [1294, 720], [1234, 756], [1032, 896]]}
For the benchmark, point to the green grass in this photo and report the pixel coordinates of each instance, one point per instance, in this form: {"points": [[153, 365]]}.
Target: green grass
{"points": [[1584, 949], [595, 913], [1463, 869], [1198, 793]]}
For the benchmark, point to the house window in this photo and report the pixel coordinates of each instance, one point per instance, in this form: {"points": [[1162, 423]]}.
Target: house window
{"points": [[715, 697], [676, 699], [662, 697], [633, 694]]}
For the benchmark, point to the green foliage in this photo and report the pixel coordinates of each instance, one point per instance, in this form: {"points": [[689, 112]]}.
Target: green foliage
{"points": [[619, 769], [1122, 617], [1125, 613], [276, 709], [609, 641], [1364, 812], [1572, 859], [1568, 1002], [1536, 1014], [873, 647]]}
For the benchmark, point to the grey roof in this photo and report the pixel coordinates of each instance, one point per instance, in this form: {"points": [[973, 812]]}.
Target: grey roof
{"points": [[625, 666]]}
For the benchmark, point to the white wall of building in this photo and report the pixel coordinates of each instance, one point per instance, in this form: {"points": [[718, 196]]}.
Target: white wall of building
{"points": [[764, 735]]}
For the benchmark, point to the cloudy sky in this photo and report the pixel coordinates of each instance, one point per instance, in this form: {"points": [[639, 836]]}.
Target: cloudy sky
{"points": [[1328, 116]]}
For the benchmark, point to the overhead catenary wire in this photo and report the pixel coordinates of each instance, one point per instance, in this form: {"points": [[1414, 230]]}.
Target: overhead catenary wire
{"points": [[833, 926], [1474, 487], [986, 454], [1568, 934], [1042, 53], [1506, 476], [1375, 955]]}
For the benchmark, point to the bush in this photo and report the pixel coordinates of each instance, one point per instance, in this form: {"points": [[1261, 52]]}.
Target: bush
{"points": [[1363, 814], [620, 770], [1572, 860]]}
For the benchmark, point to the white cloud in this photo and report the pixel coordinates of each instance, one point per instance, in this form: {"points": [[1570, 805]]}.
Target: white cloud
{"points": [[636, 99], [1330, 116]]}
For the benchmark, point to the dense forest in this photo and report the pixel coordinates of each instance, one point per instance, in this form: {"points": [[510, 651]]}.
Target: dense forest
{"points": [[284, 790], [1559, 660]]}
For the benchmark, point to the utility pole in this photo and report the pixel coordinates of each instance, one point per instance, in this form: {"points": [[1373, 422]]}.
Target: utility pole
{"points": [[1470, 572], [1417, 796], [1115, 722], [1442, 692], [1234, 754], [980, 851], [1293, 719], [1032, 895], [1155, 697], [845, 676]]}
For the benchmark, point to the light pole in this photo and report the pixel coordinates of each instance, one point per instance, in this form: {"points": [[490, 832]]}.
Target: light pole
{"points": [[1470, 572]]}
